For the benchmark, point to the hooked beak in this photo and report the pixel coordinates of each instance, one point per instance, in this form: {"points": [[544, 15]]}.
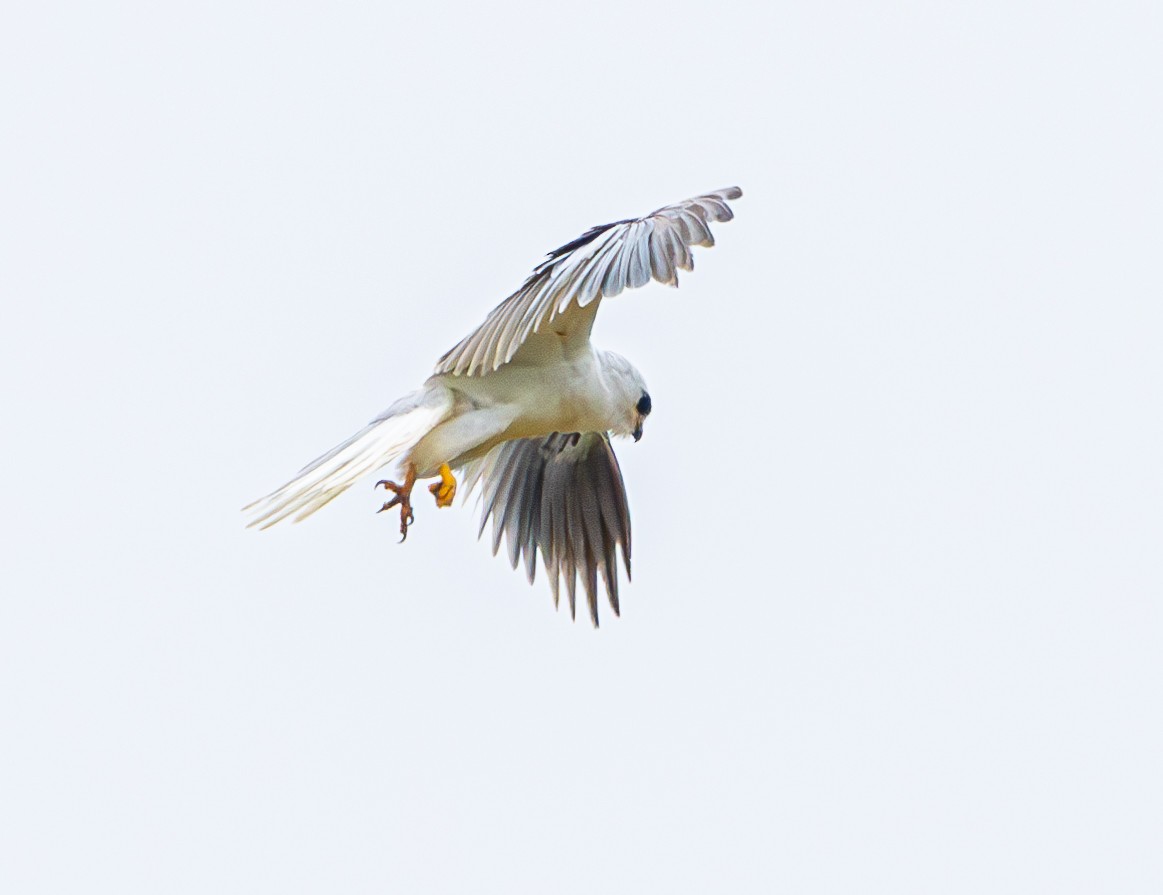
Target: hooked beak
{"points": [[638, 432]]}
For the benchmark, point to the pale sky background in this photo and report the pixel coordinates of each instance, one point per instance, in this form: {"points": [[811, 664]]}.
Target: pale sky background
{"points": [[895, 625]]}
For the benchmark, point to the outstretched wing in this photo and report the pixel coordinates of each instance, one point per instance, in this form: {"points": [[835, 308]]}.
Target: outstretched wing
{"points": [[563, 496], [561, 297]]}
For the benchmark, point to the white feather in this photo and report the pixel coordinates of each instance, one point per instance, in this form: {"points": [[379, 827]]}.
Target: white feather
{"points": [[383, 441]]}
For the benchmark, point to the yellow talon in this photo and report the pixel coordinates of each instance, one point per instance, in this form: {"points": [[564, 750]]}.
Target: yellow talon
{"points": [[445, 489]]}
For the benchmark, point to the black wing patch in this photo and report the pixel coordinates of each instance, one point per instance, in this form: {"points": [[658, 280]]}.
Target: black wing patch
{"points": [[589, 236]]}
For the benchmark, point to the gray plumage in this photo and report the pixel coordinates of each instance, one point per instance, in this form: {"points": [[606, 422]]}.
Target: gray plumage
{"points": [[600, 263], [563, 496]]}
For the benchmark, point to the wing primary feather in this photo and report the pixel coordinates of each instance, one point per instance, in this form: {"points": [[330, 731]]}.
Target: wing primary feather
{"points": [[531, 522], [561, 497], [661, 262], [639, 257], [602, 262], [567, 559], [591, 520], [512, 469]]}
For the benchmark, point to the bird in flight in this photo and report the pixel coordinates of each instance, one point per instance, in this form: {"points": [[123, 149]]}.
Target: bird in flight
{"points": [[524, 407]]}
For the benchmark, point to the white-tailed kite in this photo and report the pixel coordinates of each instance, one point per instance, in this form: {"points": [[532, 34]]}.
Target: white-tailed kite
{"points": [[525, 406]]}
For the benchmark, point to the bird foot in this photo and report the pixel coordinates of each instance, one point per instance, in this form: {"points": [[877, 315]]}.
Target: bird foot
{"points": [[444, 490], [403, 499]]}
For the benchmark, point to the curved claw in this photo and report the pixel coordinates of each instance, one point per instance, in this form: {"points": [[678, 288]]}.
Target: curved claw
{"points": [[402, 499], [406, 519]]}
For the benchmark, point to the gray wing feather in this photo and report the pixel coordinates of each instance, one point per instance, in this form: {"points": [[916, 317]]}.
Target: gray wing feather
{"points": [[563, 497], [600, 263]]}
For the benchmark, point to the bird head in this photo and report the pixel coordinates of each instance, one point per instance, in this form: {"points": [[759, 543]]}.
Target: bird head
{"points": [[630, 401]]}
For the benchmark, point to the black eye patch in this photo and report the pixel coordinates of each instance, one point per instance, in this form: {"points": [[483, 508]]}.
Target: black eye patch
{"points": [[644, 405]]}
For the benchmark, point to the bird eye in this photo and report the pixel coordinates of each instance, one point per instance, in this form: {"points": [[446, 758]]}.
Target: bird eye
{"points": [[644, 404]]}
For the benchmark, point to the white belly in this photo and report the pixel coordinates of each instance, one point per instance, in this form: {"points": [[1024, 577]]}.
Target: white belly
{"points": [[514, 402]]}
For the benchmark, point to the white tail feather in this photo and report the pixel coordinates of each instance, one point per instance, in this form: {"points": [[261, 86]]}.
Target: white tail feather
{"points": [[383, 441]]}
